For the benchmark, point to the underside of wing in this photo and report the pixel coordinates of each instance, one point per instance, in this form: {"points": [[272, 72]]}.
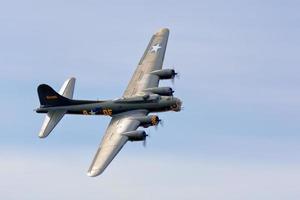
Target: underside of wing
{"points": [[114, 139], [151, 60]]}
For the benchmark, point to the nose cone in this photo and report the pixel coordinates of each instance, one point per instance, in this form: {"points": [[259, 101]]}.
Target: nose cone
{"points": [[178, 105]]}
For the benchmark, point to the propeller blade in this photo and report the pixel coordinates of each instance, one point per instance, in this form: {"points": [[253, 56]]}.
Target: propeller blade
{"points": [[145, 141], [176, 75], [161, 122]]}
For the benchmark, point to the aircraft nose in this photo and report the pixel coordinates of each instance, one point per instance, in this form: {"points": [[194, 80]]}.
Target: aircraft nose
{"points": [[177, 106]]}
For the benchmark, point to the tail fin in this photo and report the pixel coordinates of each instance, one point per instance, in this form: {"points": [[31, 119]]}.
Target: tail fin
{"points": [[48, 97], [67, 89]]}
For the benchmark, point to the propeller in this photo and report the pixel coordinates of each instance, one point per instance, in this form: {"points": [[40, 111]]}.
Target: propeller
{"points": [[176, 75], [145, 141], [172, 89], [161, 122]]}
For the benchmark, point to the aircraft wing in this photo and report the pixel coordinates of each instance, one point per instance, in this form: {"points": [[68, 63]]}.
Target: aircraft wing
{"points": [[151, 60], [113, 140]]}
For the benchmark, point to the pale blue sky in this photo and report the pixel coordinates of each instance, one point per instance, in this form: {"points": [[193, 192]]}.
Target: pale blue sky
{"points": [[238, 137]]}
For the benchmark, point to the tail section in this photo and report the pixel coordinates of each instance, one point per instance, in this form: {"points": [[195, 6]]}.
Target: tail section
{"points": [[67, 89], [51, 120], [49, 97]]}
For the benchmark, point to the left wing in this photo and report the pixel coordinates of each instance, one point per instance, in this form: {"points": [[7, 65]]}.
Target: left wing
{"points": [[151, 60], [113, 140]]}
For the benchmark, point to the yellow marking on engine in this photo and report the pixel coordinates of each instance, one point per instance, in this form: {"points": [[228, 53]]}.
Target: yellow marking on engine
{"points": [[154, 120]]}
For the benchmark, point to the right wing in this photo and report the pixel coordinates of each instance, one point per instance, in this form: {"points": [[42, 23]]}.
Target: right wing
{"points": [[113, 140]]}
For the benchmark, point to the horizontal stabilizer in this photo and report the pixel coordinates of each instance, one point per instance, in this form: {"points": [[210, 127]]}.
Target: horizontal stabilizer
{"points": [[48, 97], [52, 118]]}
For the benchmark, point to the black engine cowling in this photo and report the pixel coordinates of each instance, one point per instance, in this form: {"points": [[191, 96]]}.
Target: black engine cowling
{"points": [[138, 135], [165, 73], [150, 120], [163, 91]]}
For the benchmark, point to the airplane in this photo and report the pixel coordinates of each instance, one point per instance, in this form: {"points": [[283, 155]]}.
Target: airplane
{"points": [[128, 113]]}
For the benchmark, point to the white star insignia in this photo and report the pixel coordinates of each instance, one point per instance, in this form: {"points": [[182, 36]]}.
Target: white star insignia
{"points": [[92, 112], [155, 48]]}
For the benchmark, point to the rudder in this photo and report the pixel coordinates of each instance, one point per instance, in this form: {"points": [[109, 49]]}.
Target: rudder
{"points": [[49, 97]]}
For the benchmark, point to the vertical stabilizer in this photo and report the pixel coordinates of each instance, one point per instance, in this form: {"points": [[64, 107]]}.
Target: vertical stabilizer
{"points": [[53, 117], [67, 88]]}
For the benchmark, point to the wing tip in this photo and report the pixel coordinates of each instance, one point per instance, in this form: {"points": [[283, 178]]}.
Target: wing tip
{"points": [[163, 31], [41, 135], [72, 78], [94, 173]]}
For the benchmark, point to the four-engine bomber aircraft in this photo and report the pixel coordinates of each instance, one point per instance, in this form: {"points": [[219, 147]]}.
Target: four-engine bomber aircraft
{"points": [[128, 113]]}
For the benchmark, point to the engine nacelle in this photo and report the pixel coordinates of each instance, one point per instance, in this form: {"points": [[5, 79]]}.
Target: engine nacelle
{"points": [[138, 135], [165, 73], [163, 91], [150, 120]]}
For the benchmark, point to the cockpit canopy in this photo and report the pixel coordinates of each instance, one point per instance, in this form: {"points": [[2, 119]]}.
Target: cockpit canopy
{"points": [[140, 98]]}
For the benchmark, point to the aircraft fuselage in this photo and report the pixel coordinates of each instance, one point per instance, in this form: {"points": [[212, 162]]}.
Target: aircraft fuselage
{"points": [[112, 107]]}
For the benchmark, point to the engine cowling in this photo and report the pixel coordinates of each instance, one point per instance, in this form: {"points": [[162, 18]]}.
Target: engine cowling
{"points": [[163, 91], [150, 120], [138, 135], [165, 73]]}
